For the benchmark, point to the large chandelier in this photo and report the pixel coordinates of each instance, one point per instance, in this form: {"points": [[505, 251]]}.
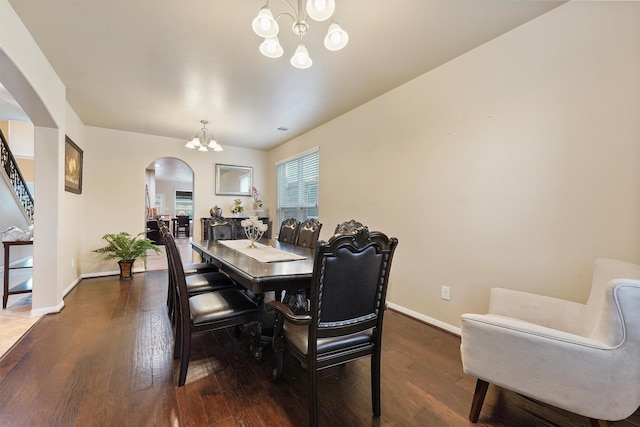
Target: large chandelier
{"points": [[203, 140], [266, 26]]}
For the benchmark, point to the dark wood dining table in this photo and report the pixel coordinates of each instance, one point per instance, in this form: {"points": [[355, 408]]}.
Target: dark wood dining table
{"points": [[256, 276], [260, 277]]}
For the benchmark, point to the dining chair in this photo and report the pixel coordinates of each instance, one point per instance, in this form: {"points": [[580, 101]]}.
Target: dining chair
{"points": [[289, 231], [308, 233], [204, 312], [193, 267], [183, 224], [348, 292], [221, 230], [196, 282]]}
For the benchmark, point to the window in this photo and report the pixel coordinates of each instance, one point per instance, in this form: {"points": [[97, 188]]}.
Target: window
{"points": [[159, 204], [184, 202], [297, 183]]}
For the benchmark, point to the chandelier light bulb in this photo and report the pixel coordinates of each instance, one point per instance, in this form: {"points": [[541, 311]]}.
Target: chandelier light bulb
{"points": [[336, 38], [271, 47], [264, 24], [203, 148], [300, 58], [320, 10]]}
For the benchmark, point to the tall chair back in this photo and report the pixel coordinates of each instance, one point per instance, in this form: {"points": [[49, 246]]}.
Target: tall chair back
{"points": [[289, 231], [308, 233], [221, 231]]}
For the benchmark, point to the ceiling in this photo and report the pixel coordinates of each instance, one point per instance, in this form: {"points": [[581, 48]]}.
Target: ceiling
{"points": [[160, 66]]}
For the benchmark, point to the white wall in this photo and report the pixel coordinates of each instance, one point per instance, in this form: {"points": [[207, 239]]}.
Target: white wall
{"points": [[114, 184], [513, 165], [31, 80]]}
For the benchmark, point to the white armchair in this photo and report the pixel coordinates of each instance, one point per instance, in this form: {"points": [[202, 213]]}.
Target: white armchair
{"points": [[584, 358]]}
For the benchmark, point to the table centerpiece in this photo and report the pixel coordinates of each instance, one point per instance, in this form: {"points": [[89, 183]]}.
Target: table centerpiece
{"points": [[254, 229]]}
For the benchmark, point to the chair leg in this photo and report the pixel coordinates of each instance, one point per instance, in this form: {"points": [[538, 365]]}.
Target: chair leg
{"points": [[375, 383], [598, 423], [278, 348], [478, 400], [313, 394], [277, 371], [184, 357]]}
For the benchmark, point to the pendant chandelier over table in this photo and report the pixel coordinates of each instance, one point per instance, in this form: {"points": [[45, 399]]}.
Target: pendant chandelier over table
{"points": [[266, 26], [203, 140]]}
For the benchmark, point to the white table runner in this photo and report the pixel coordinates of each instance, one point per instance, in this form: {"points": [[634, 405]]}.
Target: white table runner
{"points": [[262, 253]]}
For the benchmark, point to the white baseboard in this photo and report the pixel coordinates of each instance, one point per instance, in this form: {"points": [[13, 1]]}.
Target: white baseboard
{"points": [[70, 287], [47, 310], [426, 319], [60, 306], [100, 274], [109, 273]]}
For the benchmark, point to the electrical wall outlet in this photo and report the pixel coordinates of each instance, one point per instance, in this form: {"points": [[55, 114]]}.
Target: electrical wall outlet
{"points": [[446, 293]]}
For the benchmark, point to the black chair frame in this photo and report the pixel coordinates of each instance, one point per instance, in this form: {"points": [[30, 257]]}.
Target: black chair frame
{"points": [[308, 233], [348, 293], [289, 231], [231, 307]]}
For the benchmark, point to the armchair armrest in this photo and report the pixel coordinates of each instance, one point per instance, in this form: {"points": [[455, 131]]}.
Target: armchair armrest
{"points": [[543, 310], [296, 319]]}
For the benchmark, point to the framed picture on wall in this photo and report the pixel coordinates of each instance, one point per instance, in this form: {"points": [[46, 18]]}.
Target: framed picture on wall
{"points": [[72, 166]]}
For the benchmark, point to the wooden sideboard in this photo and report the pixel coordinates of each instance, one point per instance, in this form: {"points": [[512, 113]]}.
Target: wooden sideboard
{"points": [[238, 231]]}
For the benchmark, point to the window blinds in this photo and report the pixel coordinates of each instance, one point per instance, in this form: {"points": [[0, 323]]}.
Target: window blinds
{"points": [[297, 186]]}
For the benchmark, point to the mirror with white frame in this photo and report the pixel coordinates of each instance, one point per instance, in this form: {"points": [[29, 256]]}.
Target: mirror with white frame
{"points": [[233, 180]]}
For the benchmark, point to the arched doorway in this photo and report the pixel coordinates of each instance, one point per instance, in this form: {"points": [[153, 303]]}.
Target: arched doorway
{"points": [[166, 177], [168, 192]]}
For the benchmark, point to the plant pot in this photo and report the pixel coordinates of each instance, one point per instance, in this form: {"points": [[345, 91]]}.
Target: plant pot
{"points": [[126, 269]]}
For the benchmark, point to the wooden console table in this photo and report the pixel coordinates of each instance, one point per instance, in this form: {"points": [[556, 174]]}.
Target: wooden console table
{"points": [[22, 287]]}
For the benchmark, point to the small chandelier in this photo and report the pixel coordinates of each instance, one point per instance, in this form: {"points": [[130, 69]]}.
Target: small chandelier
{"points": [[266, 26], [203, 141]]}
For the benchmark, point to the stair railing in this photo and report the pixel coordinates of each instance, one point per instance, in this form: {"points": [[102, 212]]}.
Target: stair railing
{"points": [[9, 165]]}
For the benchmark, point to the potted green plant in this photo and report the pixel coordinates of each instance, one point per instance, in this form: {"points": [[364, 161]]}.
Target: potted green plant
{"points": [[126, 249]]}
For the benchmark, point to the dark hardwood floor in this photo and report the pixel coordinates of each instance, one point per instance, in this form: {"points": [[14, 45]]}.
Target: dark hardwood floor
{"points": [[106, 360]]}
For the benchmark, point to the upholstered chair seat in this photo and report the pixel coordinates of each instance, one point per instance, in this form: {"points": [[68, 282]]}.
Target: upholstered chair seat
{"points": [[298, 336], [218, 306], [208, 282]]}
